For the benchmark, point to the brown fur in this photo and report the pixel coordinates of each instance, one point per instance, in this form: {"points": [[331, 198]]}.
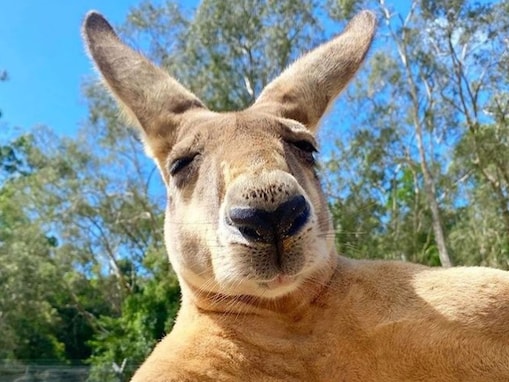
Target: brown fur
{"points": [[289, 309]]}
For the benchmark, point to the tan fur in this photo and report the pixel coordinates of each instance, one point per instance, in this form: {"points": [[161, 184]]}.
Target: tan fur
{"points": [[281, 305]]}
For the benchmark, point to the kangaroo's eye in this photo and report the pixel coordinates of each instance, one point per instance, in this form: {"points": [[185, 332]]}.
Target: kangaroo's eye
{"points": [[180, 164], [305, 146], [305, 150]]}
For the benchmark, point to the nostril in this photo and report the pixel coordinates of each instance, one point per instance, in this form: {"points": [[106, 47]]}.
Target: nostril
{"points": [[250, 233], [300, 220], [253, 223], [292, 216]]}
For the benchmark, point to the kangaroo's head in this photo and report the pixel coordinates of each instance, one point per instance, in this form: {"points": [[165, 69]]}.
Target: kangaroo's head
{"points": [[245, 213]]}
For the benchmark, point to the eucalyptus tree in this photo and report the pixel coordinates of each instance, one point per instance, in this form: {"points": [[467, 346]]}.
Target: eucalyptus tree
{"points": [[427, 123]]}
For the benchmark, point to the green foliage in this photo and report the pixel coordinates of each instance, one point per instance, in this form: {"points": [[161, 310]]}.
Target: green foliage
{"points": [[27, 270], [147, 315]]}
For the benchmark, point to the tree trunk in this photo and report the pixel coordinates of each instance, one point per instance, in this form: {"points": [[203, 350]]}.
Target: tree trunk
{"points": [[429, 182]]}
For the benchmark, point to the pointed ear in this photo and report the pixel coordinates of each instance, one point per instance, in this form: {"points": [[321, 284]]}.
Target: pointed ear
{"points": [[147, 93], [305, 90]]}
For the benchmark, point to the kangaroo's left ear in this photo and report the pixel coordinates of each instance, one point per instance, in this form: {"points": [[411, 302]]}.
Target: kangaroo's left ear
{"points": [[305, 90]]}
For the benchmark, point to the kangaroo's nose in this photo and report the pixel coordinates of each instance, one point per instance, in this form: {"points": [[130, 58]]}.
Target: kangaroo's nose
{"points": [[269, 226]]}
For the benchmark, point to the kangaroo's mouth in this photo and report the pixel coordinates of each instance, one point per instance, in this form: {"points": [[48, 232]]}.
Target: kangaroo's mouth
{"points": [[280, 281]]}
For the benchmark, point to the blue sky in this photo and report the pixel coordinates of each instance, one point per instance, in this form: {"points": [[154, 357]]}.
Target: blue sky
{"points": [[41, 49]]}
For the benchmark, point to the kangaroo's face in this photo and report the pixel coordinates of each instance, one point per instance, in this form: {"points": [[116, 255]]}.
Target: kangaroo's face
{"points": [[245, 212]]}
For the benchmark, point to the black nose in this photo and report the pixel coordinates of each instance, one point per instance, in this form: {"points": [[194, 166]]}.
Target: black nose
{"points": [[268, 226]]}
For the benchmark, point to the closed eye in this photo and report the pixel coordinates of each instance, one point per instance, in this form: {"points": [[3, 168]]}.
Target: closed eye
{"points": [[180, 164], [305, 150], [305, 146]]}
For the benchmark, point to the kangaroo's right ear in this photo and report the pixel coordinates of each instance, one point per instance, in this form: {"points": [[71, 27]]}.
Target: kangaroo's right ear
{"points": [[147, 93], [305, 90]]}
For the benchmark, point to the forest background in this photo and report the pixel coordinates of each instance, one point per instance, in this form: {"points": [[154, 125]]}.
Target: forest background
{"points": [[414, 160]]}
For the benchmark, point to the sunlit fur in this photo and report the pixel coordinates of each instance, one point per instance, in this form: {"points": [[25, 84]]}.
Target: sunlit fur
{"points": [[292, 310]]}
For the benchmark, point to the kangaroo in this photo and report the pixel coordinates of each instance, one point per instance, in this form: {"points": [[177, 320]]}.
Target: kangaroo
{"points": [[265, 296]]}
